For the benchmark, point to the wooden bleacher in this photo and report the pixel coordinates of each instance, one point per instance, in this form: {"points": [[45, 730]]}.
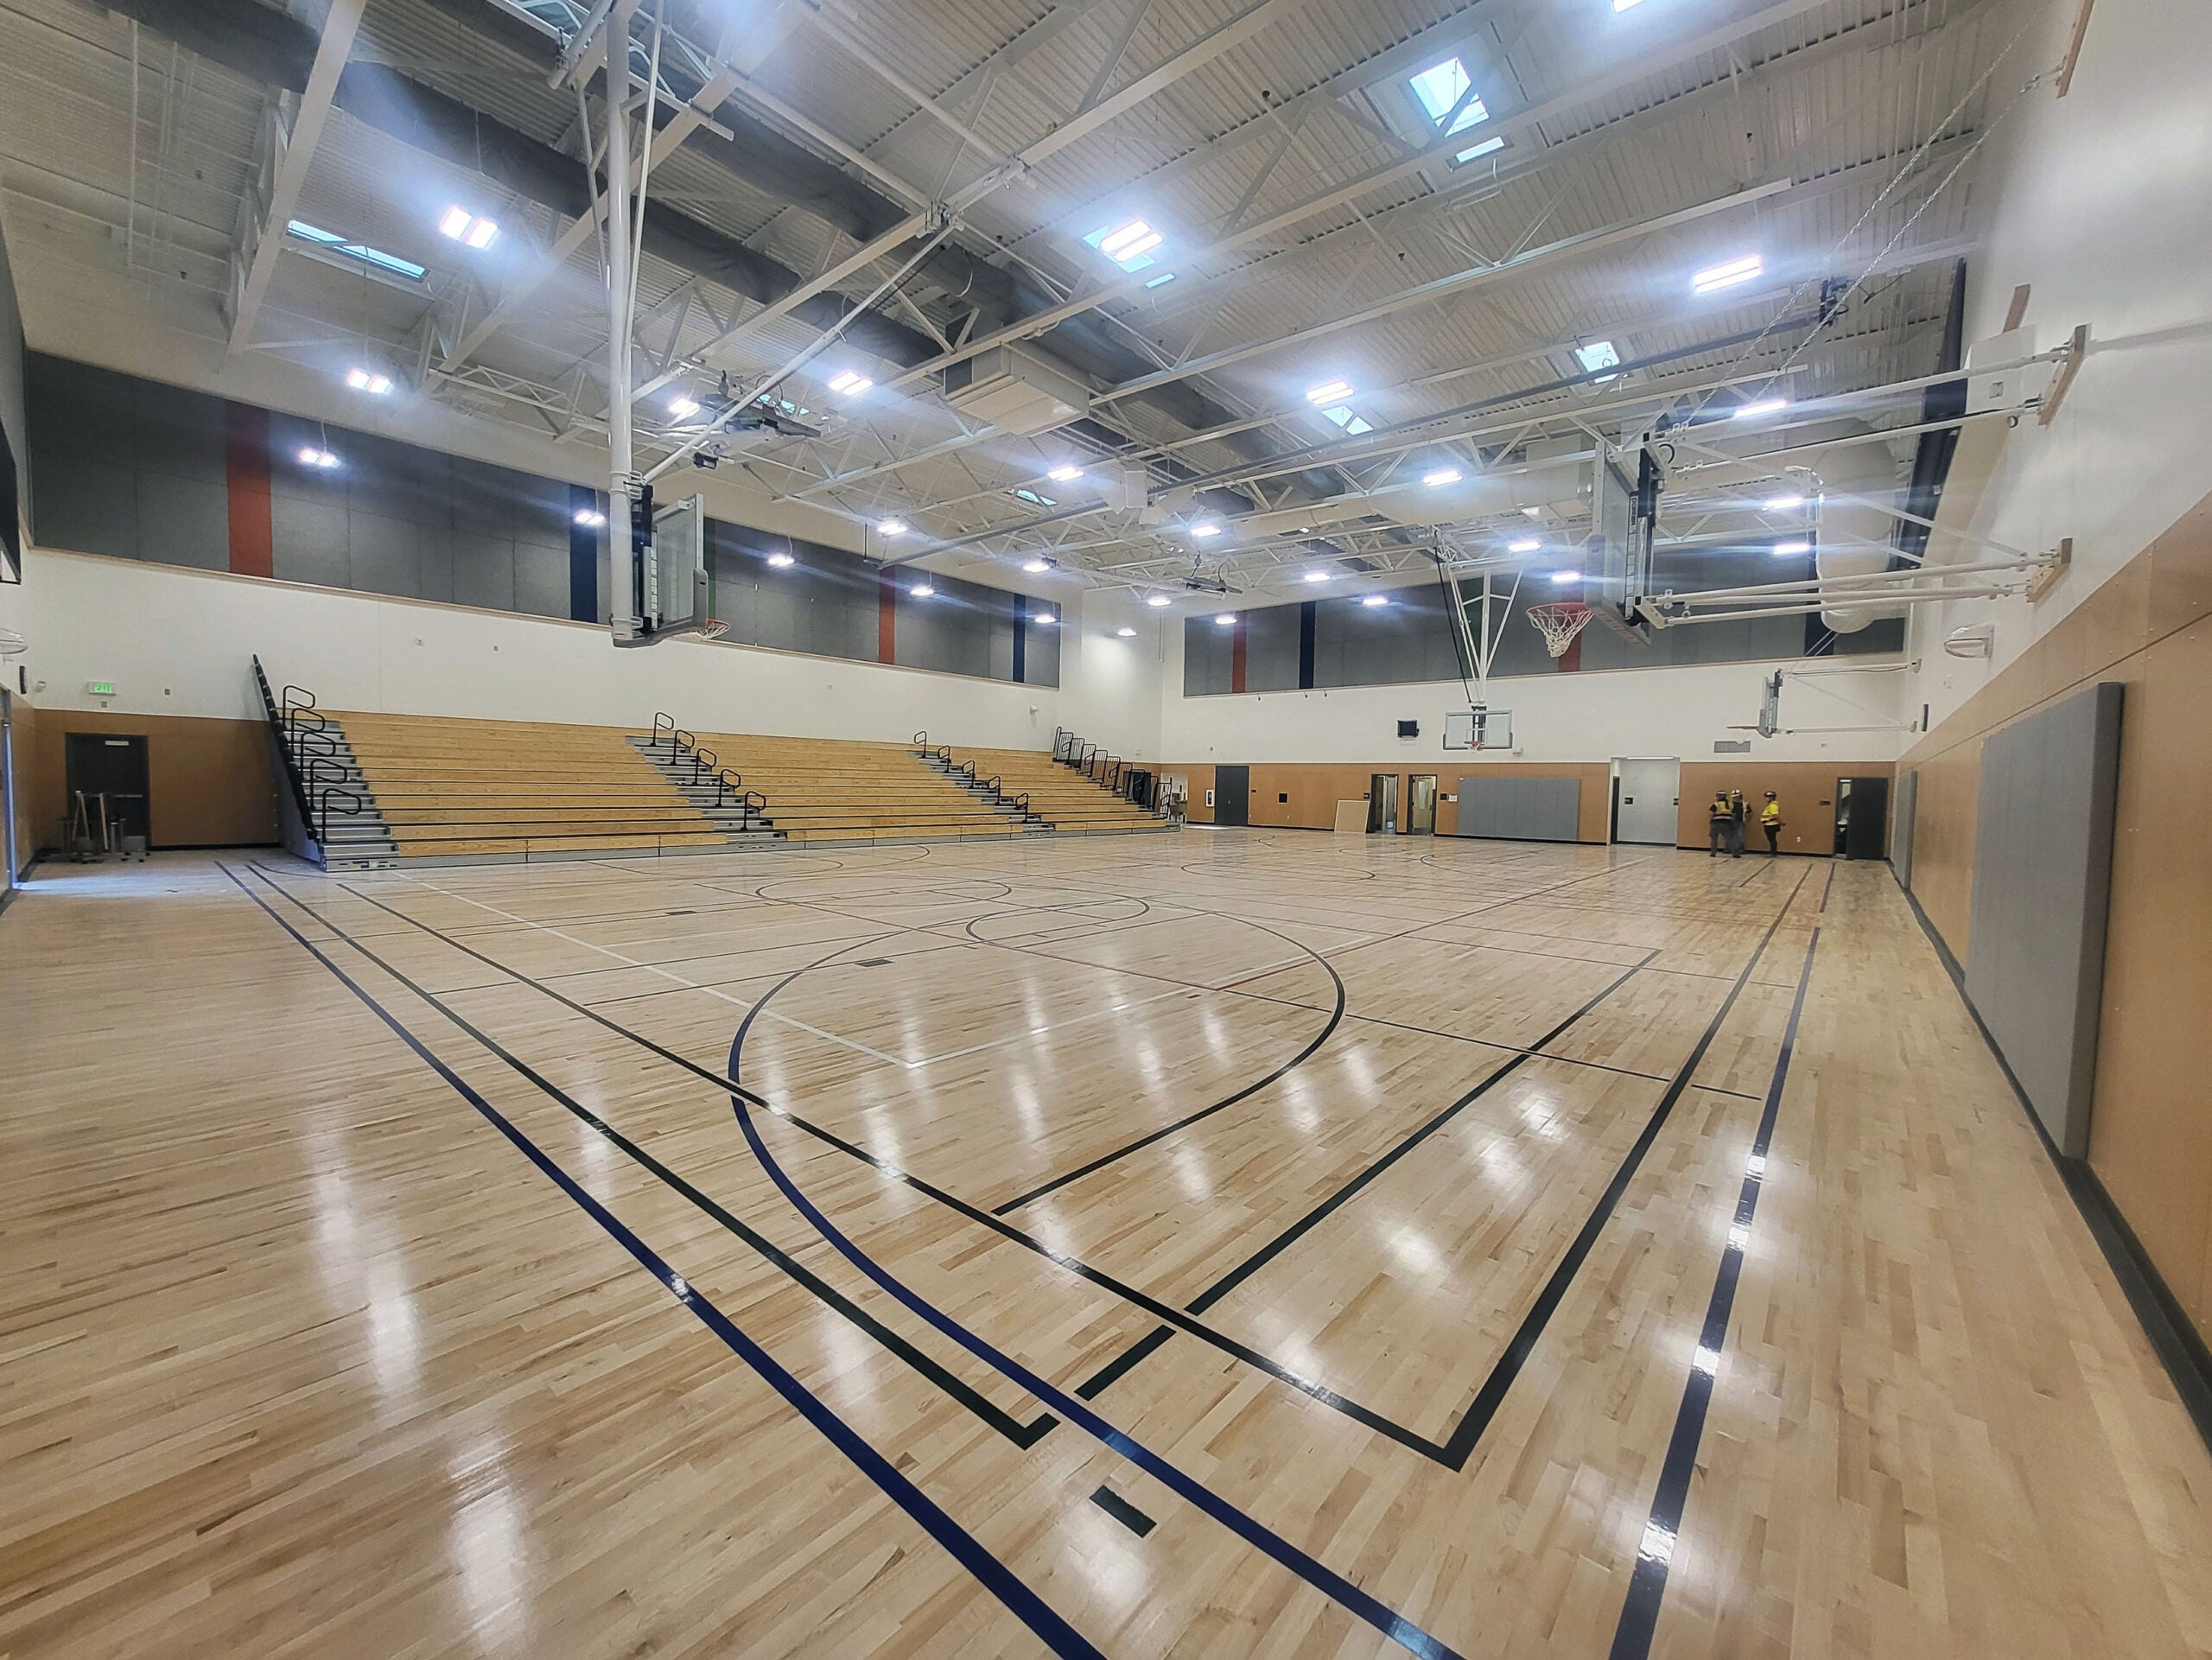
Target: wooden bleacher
{"points": [[447, 787], [826, 790], [1064, 797]]}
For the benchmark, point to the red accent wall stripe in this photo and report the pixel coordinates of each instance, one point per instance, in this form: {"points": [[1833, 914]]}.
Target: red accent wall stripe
{"points": [[245, 466], [886, 617]]}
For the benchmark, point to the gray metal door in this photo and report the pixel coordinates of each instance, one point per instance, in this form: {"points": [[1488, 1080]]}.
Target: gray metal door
{"points": [[1647, 795], [1382, 804]]}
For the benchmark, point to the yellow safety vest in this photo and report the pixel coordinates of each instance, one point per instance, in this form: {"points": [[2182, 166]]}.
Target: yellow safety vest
{"points": [[1771, 813]]}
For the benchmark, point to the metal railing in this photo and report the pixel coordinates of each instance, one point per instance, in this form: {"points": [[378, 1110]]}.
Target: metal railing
{"points": [[293, 721], [706, 769]]}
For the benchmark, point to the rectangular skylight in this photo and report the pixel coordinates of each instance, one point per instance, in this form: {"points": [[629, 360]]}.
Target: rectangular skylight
{"points": [[361, 250], [1343, 417], [1599, 354], [1439, 89], [1128, 244], [1032, 497]]}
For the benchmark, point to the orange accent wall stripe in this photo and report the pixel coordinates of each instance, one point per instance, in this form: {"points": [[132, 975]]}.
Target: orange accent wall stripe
{"points": [[886, 617], [245, 466]]}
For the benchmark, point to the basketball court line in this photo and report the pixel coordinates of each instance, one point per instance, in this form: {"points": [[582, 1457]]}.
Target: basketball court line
{"points": [[1232, 1517], [993, 1575]]}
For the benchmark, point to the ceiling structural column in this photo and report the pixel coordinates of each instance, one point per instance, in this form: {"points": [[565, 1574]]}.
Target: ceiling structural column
{"points": [[291, 151]]}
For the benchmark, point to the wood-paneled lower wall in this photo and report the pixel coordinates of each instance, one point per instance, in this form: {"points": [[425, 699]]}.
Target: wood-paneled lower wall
{"points": [[2150, 1118], [1806, 790], [211, 783], [1303, 795]]}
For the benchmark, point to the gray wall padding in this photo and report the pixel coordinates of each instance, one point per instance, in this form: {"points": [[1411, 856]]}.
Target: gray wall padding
{"points": [[2042, 876], [1904, 801], [1521, 809]]}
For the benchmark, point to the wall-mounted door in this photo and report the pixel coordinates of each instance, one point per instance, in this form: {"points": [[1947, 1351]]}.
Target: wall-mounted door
{"points": [[1421, 804], [1232, 795], [1646, 794], [1862, 817], [111, 765], [1382, 804]]}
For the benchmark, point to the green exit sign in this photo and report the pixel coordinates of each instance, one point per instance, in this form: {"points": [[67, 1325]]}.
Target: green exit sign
{"points": [[100, 688]]}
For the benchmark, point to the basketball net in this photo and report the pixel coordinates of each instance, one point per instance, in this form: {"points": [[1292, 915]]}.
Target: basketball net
{"points": [[1559, 624]]}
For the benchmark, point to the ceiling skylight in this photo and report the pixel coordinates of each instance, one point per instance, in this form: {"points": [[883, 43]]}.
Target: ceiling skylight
{"points": [[1599, 354], [1443, 91], [1343, 416], [330, 241]]}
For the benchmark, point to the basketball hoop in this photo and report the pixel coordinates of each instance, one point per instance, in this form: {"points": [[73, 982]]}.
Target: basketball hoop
{"points": [[712, 628], [1559, 624]]}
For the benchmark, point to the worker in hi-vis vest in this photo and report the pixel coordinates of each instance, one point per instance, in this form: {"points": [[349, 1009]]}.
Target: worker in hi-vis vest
{"points": [[1717, 823], [1770, 822]]}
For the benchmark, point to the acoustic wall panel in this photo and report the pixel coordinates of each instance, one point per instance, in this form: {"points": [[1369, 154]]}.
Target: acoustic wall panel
{"points": [[2042, 876], [1904, 801], [1520, 808]]}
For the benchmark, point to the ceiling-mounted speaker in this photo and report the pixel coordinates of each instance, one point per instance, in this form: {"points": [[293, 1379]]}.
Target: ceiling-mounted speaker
{"points": [[1976, 639]]}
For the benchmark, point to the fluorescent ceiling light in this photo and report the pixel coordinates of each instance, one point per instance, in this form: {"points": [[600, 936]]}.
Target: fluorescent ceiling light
{"points": [[1599, 354], [1205, 530], [1784, 549], [1035, 566], [1442, 475], [1781, 504], [1318, 575], [1526, 544], [464, 227], [1727, 275], [1127, 633], [1351, 423], [1533, 513], [455, 222], [590, 517], [1128, 244], [1329, 392], [1044, 619], [1066, 472], [366, 380], [1566, 576], [1623, 5], [1157, 599], [891, 526], [922, 591], [849, 382], [1376, 599], [782, 561], [480, 233], [1763, 406], [683, 408], [311, 456], [1227, 620]]}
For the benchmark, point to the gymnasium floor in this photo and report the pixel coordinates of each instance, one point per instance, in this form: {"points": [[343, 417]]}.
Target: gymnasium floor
{"points": [[1225, 1243]]}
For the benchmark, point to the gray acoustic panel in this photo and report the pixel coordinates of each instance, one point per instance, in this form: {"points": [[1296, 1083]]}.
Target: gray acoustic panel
{"points": [[1904, 802], [1520, 808], [2042, 876]]}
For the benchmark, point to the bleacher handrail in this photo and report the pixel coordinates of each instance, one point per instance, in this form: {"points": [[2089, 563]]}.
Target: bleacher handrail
{"points": [[301, 800]]}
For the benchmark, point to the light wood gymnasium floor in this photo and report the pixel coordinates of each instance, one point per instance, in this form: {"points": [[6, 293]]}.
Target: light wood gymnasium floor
{"points": [[1215, 1245]]}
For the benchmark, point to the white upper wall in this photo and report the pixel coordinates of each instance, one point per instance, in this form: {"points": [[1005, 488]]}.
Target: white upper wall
{"points": [[1593, 716], [2100, 201], [179, 642]]}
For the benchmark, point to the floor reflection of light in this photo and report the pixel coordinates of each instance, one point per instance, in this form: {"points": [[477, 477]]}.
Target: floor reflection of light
{"points": [[596, 1160], [488, 1547], [1108, 1561], [1192, 1176], [1413, 1248], [1026, 1103], [395, 1341]]}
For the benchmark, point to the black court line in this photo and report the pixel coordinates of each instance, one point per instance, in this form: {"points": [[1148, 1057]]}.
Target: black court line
{"points": [[1459, 1446], [993, 1575], [1366, 1417], [1122, 1511], [1647, 1584], [1351, 1596], [1379, 1423], [1022, 1435], [1091, 1387]]}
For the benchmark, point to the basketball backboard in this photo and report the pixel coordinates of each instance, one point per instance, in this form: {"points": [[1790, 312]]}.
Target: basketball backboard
{"points": [[1478, 728], [668, 577]]}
